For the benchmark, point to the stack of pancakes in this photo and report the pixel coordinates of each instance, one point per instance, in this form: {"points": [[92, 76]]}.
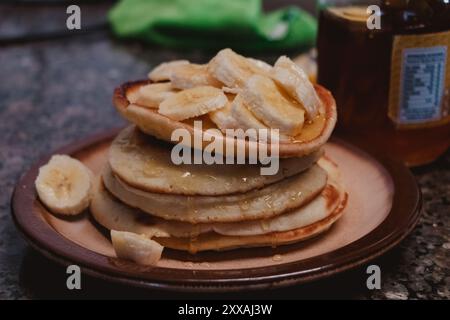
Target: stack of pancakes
{"points": [[197, 207], [213, 207]]}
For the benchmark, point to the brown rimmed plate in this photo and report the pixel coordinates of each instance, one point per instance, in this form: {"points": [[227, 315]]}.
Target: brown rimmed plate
{"points": [[384, 206]]}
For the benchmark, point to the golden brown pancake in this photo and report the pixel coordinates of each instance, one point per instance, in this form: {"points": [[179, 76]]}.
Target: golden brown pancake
{"points": [[145, 163], [295, 225], [261, 203], [312, 137], [217, 242]]}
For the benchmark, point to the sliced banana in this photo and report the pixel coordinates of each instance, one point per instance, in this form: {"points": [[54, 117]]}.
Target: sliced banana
{"points": [[308, 63], [246, 120], [244, 116], [64, 185], [163, 71], [233, 69], [270, 106], [151, 95], [231, 90], [192, 75], [296, 82], [261, 64], [135, 247], [193, 102], [223, 118]]}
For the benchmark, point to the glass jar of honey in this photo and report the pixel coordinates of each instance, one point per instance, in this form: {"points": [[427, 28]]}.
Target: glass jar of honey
{"points": [[387, 64]]}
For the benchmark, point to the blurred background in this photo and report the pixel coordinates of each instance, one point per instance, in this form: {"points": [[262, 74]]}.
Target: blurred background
{"points": [[56, 87]]}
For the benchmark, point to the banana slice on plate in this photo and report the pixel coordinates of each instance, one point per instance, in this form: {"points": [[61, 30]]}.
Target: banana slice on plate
{"points": [[64, 185], [135, 247], [151, 95], [163, 71], [271, 107], [193, 102], [296, 82], [192, 75], [233, 69]]}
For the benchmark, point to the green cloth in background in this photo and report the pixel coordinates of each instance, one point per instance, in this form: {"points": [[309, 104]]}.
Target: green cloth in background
{"points": [[213, 24]]}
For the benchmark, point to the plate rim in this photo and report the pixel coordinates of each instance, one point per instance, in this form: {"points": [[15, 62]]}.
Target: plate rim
{"points": [[400, 221]]}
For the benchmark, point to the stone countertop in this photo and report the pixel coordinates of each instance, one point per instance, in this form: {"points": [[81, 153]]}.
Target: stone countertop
{"points": [[57, 91]]}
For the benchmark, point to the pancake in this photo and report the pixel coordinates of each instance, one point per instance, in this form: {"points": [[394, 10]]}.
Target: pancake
{"points": [[145, 163], [217, 242], [114, 214], [261, 203], [311, 138], [319, 208]]}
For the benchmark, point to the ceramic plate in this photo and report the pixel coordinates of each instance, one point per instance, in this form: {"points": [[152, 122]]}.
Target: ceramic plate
{"points": [[383, 207]]}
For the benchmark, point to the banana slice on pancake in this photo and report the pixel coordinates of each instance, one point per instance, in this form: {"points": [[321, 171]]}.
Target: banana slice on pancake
{"points": [[193, 102], [64, 185], [192, 75], [163, 71], [236, 116], [223, 118], [296, 82], [265, 101], [184, 75], [233, 91], [234, 70], [262, 65], [244, 116], [151, 95]]}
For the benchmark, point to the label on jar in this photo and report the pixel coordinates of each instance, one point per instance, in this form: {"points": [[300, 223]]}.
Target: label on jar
{"points": [[420, 80]]}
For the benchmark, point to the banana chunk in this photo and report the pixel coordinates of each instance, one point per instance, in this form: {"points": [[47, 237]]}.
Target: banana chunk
{"points": [[192, 75], [64, 185], [233, 69], [261, 64], [135, 247], [270, 106], [246, 120], [193, 102], [296, 82], [223, 118], [231, 90], [163, 71], [244, 117], [151, 95]]}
